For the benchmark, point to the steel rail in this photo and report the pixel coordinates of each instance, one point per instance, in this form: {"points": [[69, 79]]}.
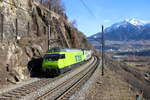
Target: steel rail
{"points": [[27, 88], [75, 79], [78, 83]]}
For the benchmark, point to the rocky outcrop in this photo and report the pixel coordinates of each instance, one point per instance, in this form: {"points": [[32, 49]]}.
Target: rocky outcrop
{"points": [[24, 37], [15, 57]]}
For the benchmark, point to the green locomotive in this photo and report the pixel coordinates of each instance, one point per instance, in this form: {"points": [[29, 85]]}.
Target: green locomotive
{"points": [[58, 60]]}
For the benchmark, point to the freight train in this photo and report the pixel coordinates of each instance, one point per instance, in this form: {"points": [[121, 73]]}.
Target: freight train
{"points": [[59, 60]]}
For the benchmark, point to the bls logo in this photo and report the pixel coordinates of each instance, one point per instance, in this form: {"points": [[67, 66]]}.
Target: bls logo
{"points": [[78, 58]]}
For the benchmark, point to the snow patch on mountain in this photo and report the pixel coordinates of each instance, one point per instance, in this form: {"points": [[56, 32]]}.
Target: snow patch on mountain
{"points": [[129, 29], [136, 22]]}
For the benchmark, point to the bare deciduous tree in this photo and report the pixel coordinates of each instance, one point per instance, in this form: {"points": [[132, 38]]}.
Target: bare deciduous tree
{"points": [[54, 5]]}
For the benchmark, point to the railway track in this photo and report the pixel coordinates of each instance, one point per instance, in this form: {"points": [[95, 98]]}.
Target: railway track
{"points": [[67, 88], [54, 93], [24, 90]]}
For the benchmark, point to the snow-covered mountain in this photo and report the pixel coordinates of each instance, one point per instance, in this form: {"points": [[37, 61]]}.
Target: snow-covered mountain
{"points": [[129, 29], [136, 22]]}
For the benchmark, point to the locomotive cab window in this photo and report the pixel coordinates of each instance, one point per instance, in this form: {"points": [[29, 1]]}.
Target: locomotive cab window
{"points": [[54, 57], [62, 56]]}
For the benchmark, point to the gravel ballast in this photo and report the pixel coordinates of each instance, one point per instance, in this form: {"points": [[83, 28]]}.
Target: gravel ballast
{"points": [[42, 90], [17, 85]]}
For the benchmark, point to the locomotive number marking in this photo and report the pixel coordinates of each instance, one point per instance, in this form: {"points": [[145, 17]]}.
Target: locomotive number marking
{"points": [[78, 58]]}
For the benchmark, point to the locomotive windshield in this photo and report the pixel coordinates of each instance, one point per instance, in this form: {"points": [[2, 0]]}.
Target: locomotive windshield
{"points": [[54, 57]]}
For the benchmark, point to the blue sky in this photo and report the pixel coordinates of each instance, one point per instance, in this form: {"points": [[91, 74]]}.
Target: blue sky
{"points": [[106, 12]]}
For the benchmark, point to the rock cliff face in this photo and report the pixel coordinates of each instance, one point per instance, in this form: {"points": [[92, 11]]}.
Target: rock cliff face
{"points": [[23, 34]]}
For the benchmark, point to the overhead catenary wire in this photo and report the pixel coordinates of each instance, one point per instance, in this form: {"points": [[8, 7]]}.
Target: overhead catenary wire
{"points": [[102, 37], [88, 9]]}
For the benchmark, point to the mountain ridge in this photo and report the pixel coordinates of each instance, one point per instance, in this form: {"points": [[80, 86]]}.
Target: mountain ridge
{"points": [[129, 29]]}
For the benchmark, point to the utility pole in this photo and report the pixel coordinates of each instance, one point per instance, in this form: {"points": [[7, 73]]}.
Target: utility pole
{"points": [[102, 48], [102, 41], [28, 27], [16, 28], [2, 25], [49, 31], [41, 1]]}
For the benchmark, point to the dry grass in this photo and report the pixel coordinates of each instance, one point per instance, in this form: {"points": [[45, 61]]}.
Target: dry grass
{"points": [[139, 62], [111, 87], [143, 66], [132, 75]]}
